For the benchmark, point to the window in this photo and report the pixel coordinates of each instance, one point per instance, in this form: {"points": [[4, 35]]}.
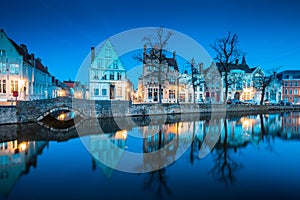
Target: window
{"points": [[2, 52], [285, 83], [285, 91], [291, 83], [104, 92], [14, 68], [296, 83], [115, 65], [296, 91], [150, 93], [96, 92], [111, 76], [291, 91], [13, 86], [3, 68], [104, 77], [149, 67], [182, 97], [3, 86], [155, 68], [108, 53], [171, 94], [119, 76], [119, 91]]}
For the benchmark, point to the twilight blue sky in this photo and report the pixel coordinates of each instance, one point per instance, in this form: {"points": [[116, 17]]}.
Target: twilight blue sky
{"points": [[61, 32]]}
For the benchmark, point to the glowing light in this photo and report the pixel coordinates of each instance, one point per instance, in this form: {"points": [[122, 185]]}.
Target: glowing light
{"points": [[61, 117], [23, 146], [122, 134]]}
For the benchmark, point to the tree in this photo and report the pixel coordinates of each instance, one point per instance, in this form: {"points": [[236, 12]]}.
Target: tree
{"points": [[264, 81], [158, 44], [196, 80], [227, 52]]}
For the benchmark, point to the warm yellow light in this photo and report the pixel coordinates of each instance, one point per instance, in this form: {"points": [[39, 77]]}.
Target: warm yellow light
{"points": [[23, 146], [61, 117], [122, 134]]}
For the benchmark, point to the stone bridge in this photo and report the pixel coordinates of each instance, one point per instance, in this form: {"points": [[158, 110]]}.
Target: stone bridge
{"points": [[32, 111]]}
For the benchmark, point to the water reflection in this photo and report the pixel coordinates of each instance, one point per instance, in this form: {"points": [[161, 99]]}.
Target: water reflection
{"points": [[16, 158], [232, 134]]}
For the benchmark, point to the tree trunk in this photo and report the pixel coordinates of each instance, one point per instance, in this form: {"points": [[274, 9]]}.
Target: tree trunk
{"points": [[262, 95]]}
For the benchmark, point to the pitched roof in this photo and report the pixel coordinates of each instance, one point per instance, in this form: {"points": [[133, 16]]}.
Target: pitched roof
{"points": [[243, 67], [27, 57]]}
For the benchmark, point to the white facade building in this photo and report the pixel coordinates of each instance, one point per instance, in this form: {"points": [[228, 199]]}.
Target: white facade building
{"points": [[21, 73], [107, 75]]}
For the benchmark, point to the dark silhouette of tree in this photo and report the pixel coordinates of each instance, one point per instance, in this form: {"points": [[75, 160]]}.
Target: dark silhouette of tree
{"points": [[157, 44], [265, 81], [196, 79], [225, 166], [227, 52]]}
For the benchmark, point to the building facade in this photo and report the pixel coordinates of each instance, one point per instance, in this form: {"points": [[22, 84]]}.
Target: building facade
{"points": [[21, 73], [290, 80], [159, 72], [107, 75]]}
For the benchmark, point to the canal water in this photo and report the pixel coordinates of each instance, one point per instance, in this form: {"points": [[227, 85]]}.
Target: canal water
{"points": [[244, 157]]}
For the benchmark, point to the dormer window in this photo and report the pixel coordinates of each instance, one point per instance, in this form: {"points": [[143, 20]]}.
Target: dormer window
{"points": [[2, 52]]}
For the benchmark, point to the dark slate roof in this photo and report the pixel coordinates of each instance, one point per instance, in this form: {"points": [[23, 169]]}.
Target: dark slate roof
{"points": [[285, 74], [172, 62], [27, 58], [243, 67]]}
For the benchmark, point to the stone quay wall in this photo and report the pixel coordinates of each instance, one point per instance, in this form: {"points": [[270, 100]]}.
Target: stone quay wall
{"points": [[33, 111]]}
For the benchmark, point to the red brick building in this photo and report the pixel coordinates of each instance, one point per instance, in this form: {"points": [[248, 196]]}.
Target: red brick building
{"points": [[291, 85]]}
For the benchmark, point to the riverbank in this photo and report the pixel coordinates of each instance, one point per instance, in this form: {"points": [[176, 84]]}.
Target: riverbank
{"points": [[13, 114]]}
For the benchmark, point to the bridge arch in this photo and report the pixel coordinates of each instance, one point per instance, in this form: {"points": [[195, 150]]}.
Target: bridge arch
{"points": [[59, 108]]}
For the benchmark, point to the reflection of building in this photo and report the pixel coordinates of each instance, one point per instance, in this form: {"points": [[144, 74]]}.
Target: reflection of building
{"points": [[158, 70], [107, 75], [21, 72], [15, 160], [291, 125], [105, 148], [290, 85]]}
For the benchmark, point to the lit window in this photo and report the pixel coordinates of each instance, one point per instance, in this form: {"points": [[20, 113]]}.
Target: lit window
{"points": [[13, 86], [119, 91], [3, 86]]}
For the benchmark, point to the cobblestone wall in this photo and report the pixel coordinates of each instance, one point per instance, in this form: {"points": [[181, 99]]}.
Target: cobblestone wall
{"points": [[8, 114], [32, 111]]}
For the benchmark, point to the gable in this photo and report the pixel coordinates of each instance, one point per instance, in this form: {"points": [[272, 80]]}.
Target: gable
{"points": [[107, 58]]}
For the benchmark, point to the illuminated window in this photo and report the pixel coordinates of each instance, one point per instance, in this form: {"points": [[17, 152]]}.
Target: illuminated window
{"points": [[13, 86], [3, 86], [119, 91], [171, 94]]}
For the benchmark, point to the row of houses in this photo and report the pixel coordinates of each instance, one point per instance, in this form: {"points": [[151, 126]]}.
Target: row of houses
{"points": [[23, 76], [162, 82]]}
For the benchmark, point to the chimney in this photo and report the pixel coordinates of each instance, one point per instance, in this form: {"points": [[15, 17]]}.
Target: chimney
{"points": [[237, 61], [24, 48], [32, 59], [201, 68], [174, 55], [92, 54], [46, 68]]}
